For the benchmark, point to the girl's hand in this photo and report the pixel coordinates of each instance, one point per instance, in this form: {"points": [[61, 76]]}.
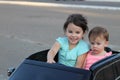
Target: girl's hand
{"points": [[51, 61], [81, 60]]}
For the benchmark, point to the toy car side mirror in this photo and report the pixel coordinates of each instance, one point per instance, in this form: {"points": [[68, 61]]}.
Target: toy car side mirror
{"points": [[10, 71]]}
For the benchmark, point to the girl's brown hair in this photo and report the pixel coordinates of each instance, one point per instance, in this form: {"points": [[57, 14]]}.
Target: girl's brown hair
{"points": [[98, 32]]}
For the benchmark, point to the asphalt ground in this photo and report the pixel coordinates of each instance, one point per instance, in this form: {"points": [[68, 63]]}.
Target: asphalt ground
{"points": [[26, 29]]}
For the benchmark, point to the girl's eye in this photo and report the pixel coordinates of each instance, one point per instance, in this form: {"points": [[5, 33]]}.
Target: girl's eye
{"points": [[70, 31]]}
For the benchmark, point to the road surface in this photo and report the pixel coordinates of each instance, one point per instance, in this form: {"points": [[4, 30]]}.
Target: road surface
{"points": [[25, 29]]}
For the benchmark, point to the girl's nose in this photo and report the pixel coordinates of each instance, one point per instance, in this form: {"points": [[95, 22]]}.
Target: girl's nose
{"points": [[73, 34]]}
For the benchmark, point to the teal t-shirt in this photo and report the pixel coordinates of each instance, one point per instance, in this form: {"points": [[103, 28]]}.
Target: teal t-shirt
{"points": [[69, 57]]}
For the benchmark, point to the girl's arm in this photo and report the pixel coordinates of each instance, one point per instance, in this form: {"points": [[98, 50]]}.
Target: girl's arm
{"points": [[52, 52], [81, 61]]}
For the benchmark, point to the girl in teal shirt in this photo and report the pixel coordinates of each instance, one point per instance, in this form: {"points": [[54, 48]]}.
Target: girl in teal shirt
{"points": [[72, 47]]}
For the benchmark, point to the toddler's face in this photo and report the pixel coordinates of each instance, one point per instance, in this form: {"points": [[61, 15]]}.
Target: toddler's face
{"points": [[74, 33], [98, 45]]}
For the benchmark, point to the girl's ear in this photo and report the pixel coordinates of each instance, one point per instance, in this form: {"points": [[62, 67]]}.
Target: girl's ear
{"points": [[84, 34], [64, 33], [106, 43]]}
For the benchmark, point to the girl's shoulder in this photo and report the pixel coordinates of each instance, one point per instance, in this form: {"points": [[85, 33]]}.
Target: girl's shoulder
{"points": [[62, 40], [108, 53], [83, 42]]}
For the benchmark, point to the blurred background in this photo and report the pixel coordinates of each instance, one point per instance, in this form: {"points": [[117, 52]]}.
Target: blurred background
{"points": [[27, 27]]}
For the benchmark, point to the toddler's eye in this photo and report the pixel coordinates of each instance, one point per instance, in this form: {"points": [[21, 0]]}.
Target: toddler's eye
{"points": [[78, 32], [98, 43], [92, 43]]}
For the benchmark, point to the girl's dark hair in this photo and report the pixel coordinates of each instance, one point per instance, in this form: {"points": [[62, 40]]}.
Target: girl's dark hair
{"points": [[78, 20]]}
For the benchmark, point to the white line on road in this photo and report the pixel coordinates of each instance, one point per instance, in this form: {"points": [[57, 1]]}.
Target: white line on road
{"points": [[105, 0], [58, 5]]}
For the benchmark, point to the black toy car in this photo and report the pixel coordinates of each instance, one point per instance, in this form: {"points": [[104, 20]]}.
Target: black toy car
{"points": [[35, 68]]}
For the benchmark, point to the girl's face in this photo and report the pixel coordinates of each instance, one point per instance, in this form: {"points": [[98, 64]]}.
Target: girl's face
{"points": [[98, 45], [74, 33]]}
